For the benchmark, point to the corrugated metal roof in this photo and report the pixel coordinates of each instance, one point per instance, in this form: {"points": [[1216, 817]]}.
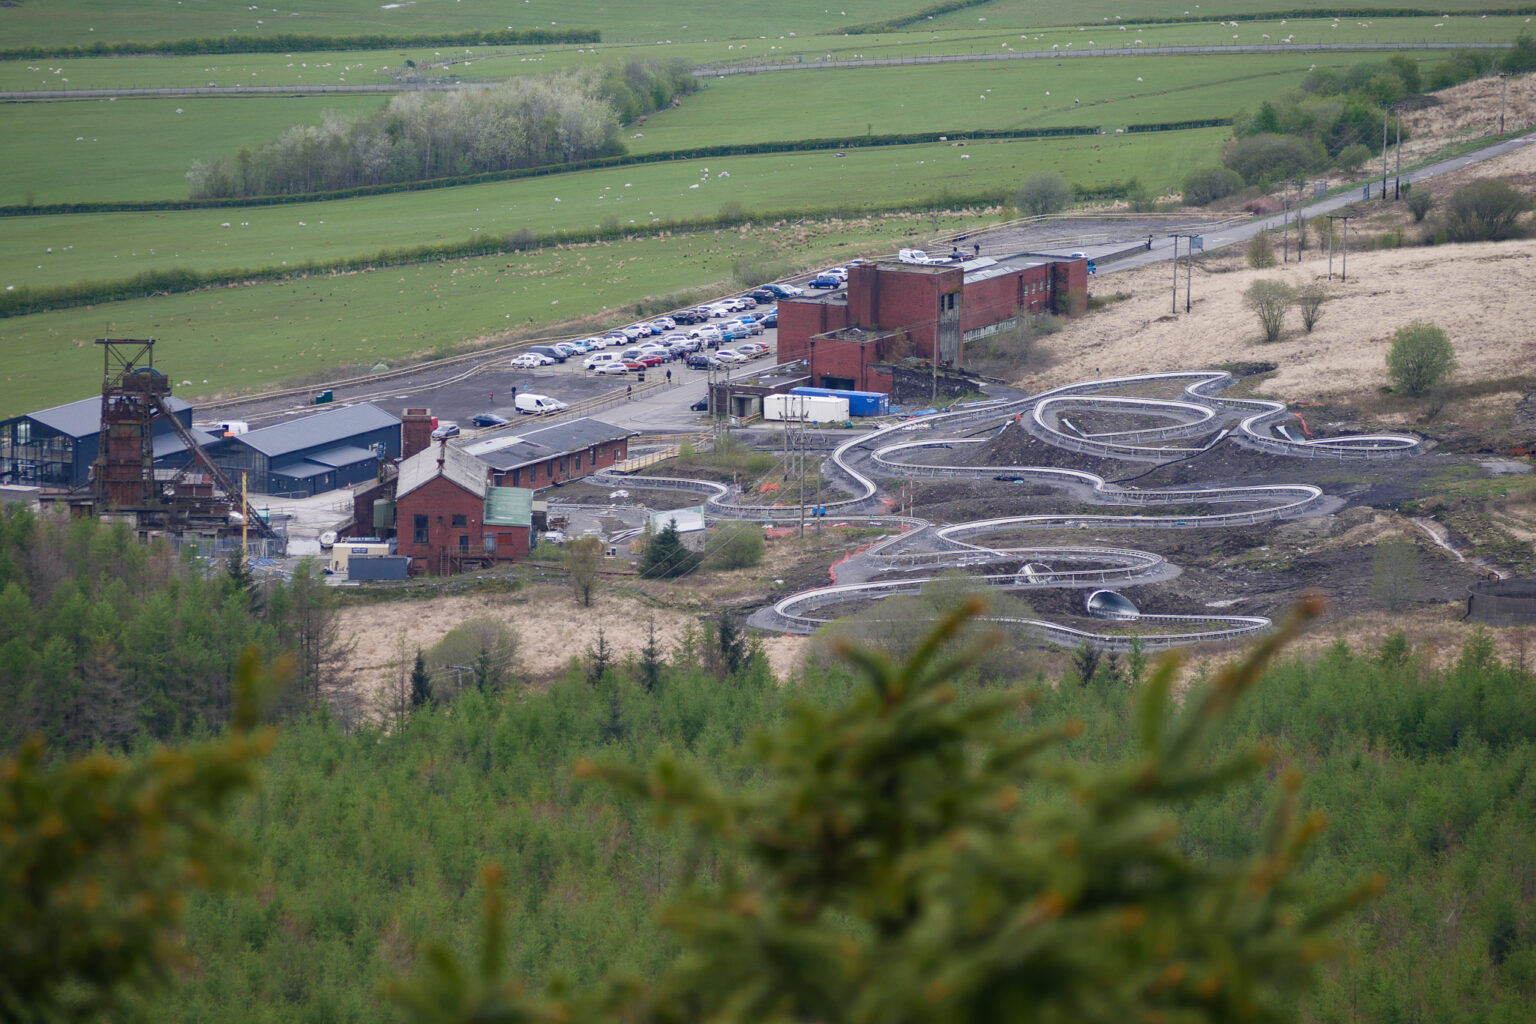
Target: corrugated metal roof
{"points": [[519, 448], [509, 506], [83, 418], [326, 428], [999, 270], [458, 466], [170, 444], [342, 455]]}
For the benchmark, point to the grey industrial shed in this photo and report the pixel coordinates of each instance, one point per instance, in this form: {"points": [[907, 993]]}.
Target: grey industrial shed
{"points": [[312, 454]]}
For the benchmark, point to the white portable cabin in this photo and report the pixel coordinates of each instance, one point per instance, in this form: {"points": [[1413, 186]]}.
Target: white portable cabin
{"points": [[805, 408]]}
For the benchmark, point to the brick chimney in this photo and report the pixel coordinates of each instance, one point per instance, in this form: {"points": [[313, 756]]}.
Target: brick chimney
{"points": [[415, 431]]}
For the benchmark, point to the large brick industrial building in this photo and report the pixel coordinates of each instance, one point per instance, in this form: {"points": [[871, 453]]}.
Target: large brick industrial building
{"points": [[893, 311]]}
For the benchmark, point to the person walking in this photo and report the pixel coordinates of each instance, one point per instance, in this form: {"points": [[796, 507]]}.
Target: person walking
{"points": [[669, 376], [629, 392]]}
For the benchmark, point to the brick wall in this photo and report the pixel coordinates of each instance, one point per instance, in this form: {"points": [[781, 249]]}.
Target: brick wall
{"points": [[800, 321], [415, 431], [561, 468], [452, 520]]}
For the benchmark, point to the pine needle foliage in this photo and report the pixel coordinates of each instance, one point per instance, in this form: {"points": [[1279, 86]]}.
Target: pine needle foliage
{"points": [[96, 855], [907, 857]]}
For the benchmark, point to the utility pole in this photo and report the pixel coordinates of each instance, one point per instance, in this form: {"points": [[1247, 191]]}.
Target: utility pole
{"points": [[1383, 158], [1503, 87], [1397, 170], [802, 472], [1175, 273]]}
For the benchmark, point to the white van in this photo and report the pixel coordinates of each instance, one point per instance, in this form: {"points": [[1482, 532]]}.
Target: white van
{"points": [[597, 359], [538, 405]]}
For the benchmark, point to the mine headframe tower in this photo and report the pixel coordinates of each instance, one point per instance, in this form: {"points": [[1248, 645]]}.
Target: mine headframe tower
{"points": [[123, 479]]}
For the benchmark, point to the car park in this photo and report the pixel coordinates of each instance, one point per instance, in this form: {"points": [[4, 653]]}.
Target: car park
{"points": [[488, 419], [531, 360]]}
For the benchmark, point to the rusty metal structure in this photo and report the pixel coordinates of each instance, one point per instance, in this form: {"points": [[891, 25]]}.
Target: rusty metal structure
{"points": [[124, 478]]}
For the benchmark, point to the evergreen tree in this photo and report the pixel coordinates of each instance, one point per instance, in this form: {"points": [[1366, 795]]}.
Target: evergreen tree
{"points": [[650, 660], [599, 659], [666, 556], [421, 682], [733, 644]]}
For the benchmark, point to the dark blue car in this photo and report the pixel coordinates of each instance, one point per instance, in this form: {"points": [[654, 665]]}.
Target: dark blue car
{"points": [[825, 281]]}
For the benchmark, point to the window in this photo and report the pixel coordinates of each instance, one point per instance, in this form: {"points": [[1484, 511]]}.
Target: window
{"points": [[947, 303], [564, 466], [490, 543], [459, 519], [578, 463], [421, 529], [516, 474]]}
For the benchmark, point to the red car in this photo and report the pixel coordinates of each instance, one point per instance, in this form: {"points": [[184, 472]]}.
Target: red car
{"points": [[634, 364], [651, 360]]}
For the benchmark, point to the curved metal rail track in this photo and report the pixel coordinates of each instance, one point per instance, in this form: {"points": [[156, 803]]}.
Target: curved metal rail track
{"points": [[923, 549]]}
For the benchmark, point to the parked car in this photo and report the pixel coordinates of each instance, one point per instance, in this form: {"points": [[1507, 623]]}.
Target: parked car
{"points": [[785, 291], [689, 316], [538, 405], [615, 367], [752, 327], [570, 348], [708, 334], [752, 349], [763, 294], [633, 366], [702, 361], [825, 281], [771, 320], [651, 359], [445, 428], [488, 419], [548, 350], [615, 338], [746, 301], [597, 360], [531, 360], [730, 355]]}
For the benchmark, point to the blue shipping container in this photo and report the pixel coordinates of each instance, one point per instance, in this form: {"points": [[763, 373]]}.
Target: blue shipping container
{"points": [[860, 403]]}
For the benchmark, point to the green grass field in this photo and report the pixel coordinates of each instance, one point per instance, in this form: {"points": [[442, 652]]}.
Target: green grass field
{"points": [[362, 67], [81, 22], [109, 246], [127, 149], [929, 97], [141, 148], [245, 339]]}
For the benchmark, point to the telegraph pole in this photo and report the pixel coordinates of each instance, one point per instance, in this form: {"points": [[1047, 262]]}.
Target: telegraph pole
{"points": [[1503, 86], [1175, 272], [1344, 270], [1383, 158]]}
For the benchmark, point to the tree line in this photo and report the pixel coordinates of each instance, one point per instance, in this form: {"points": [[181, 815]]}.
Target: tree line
{"points": [[107, 641], [287, 42], [365, 844], [520, 123], [1335, 120]]}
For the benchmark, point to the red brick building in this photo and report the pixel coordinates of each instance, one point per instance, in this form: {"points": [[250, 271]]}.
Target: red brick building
{"points": [[551, 454], [891, 311], [449, 518]]}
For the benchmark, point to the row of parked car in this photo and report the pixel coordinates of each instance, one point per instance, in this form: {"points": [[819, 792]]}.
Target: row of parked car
{"points": [[749, 323]]}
